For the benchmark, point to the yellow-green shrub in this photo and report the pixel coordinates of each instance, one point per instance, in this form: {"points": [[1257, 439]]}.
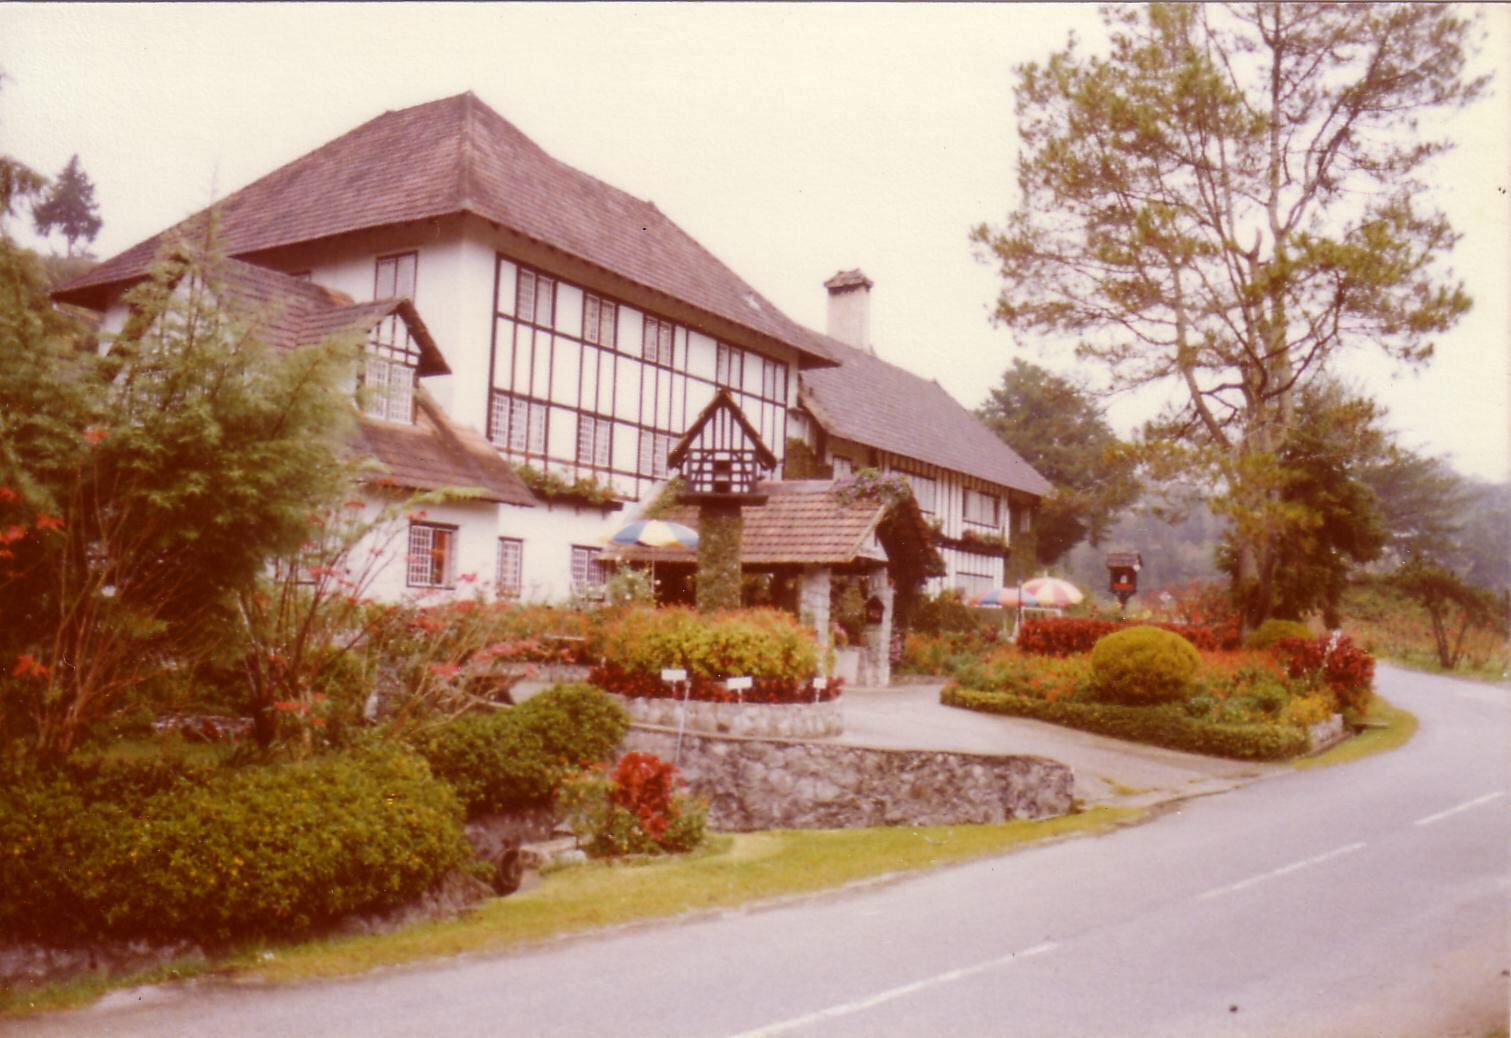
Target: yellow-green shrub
{"points": [[1143, 665], [226, 855], [1273, 630], [755, 642]]}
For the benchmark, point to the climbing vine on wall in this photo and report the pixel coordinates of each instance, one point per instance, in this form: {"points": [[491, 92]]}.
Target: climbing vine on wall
{"points": [[719, 530]]}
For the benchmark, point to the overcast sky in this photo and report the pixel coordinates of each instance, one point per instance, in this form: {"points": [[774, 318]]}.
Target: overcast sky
{"points": [[792, 141]]}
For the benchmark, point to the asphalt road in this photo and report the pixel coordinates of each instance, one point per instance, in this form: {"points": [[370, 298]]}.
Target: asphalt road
{"points": [[1369, 900]]}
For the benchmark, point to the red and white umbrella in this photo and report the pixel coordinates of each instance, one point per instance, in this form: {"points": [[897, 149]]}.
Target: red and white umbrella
{"points": [[1051, 591], [1006, 597]]}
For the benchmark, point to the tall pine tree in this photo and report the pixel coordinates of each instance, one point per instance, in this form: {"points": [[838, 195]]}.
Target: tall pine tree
{"points": [[69, 206]]}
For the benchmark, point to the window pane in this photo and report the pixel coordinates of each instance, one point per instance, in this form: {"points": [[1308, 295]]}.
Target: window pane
{"points": [[510, 566], [526, 306]]}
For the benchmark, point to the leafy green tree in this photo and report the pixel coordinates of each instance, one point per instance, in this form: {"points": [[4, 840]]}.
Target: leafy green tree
{"points": [[1056, 426], [1331, 519], [142, 488], [1422, 502], [1224, 202], [1453, 606], [69, 207]]}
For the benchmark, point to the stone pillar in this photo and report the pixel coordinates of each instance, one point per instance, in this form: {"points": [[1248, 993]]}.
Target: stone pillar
{"points": [[876, 659], [813, 605]]}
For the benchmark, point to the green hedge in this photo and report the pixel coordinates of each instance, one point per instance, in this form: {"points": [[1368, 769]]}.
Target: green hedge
{"points": [[1273, 630], [1166, 726], [761, 643], [225, 855], [519, 757]]}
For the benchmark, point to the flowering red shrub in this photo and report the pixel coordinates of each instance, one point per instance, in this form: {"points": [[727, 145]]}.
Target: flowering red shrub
{"points": [[1069, 636], [644, 785], [1205, 604], [1347, 669], [640, 685]]}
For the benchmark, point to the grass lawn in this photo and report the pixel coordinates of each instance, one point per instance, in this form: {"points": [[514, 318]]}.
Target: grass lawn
{"points": [[729, 871]]}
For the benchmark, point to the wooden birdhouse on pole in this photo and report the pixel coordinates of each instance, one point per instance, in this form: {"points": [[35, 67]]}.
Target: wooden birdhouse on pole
{"points": [[722, 461]]}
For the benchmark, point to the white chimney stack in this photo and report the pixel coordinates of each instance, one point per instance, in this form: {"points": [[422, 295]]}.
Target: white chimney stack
{"points": [[850, 309]]}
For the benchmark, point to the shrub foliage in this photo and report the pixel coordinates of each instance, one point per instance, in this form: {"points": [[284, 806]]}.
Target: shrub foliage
{"points": [[1142, 665], [519, 757], [167, 851]]}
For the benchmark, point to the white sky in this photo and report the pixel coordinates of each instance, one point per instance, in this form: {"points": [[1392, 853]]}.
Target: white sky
{"points": [[792, 141]]}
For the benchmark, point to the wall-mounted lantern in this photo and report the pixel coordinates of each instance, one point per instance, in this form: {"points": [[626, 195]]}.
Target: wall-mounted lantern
{"points": [[1122, 574]]}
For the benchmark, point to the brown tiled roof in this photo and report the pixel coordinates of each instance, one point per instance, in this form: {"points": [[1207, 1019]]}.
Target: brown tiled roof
{"points": [[458, 155], [880, 405], [800, 522], [433, 453], [291, 313]]}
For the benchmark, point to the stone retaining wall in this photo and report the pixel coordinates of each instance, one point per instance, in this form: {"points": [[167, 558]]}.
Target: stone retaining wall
{"points": [[1325, 734], [753, 784], [772, 720]]}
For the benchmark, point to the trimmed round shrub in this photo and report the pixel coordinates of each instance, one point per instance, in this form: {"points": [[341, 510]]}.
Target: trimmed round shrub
{"points": [[246, 853], [519, 757], [1143, 665], [1273, 630]]}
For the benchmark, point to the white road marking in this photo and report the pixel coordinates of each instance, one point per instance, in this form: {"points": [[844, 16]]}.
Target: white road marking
{"points": [[892, 994], [1465, 806], [1284, 870]]}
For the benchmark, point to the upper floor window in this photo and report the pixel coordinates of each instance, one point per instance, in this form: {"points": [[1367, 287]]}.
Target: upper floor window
{"points": [[774, 381], [511, 557], [598, 320], [981, 508], [387, 389], [394, 276], [431, 561], [973, 584], [925, 492], [654, 448], [594, 437], [518, 424], [658, 341], [535, 299], [728, 366]]}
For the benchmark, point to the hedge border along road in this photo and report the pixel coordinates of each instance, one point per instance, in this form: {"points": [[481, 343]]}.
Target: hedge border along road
{"points": [[1166, 726]]}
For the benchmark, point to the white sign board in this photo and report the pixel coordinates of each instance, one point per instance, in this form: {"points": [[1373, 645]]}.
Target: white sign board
{"points": [[820, 682], [674, 675], [739, 684]]}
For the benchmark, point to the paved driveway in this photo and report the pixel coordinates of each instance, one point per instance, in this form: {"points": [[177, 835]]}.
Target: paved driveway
{"points": [[1106, 770]]}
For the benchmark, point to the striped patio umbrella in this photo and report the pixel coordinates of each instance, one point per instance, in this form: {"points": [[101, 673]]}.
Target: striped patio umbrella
{"points": [[656, 533], [1006, 597], [1052, 591]]}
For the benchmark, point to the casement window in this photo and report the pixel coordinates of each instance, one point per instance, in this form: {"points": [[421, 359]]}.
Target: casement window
{"points": [[728, 366], [431, 561], [394, 276], [594, 438], [535, 299], [387, 389], [518, 424], [598, 320], [982, 509], [774, 381], [587, 567], [925, 492], [511, 564], [654, 448], [844, 468], [658, 341]]}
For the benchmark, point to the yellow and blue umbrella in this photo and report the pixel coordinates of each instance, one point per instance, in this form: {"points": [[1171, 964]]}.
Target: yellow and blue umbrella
{"points": [[656, 533]]}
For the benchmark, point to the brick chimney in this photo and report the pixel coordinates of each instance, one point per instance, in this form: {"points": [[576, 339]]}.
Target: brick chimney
{"points": [[850, 309]]}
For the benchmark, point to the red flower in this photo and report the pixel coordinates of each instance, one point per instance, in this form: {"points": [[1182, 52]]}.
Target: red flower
{"points": [[94, 434], [49, 522], [28, 666]]}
